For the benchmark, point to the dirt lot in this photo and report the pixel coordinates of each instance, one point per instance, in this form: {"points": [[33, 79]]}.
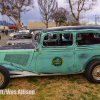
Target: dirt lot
{"points": [[68, 87]]}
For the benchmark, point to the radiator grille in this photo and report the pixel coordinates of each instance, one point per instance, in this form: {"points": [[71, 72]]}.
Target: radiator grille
{"points": [[20, 59]]}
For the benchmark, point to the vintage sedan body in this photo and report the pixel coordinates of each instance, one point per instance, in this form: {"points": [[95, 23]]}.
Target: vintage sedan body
{"points": [[68, 54]]}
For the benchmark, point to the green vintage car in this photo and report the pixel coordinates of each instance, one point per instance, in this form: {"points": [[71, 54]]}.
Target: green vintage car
{"points": [[56, 52]]}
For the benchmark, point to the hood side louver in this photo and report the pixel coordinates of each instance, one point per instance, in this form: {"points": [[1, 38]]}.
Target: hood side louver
{"points": [[20, 59]]}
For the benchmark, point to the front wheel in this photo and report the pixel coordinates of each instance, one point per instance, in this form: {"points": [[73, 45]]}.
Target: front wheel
{"points": [[92, 71], [4, 77]]}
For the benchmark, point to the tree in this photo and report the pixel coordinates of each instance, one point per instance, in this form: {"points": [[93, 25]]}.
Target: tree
{"points": [[22, 24], [78, 6], [47, 7], [13, 9], [60, 16]]}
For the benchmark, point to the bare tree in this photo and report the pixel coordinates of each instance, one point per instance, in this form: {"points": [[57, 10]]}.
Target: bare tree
{"points": [[13, 9], [60, 16], [78, 6], [47, 7]]}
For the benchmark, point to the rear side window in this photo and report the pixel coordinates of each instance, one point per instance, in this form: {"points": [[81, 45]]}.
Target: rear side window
{"points": [[87, 38]]}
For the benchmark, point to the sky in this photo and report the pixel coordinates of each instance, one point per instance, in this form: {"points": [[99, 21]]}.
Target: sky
{"points": [[34, 14]]}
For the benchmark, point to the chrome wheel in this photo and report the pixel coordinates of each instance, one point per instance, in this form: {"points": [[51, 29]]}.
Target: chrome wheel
{"points": [[1, 78], [96, 73]]}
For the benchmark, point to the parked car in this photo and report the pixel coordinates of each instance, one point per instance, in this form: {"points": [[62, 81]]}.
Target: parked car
{"points": [[23, 35], [64, 55], [0, 31], [33, 40], [14, 34], [18, 41], [25, 40]]}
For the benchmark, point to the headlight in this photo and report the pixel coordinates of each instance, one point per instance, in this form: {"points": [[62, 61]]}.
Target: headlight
{"points": [[11, 35]]}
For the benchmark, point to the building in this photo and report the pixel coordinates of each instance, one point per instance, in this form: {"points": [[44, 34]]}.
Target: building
{"points": [[31, 25], [4, 23], [4, 27]]}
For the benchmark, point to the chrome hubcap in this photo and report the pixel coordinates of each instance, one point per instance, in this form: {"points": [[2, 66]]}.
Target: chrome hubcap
{"points": [[96, 73], [1, 79]]}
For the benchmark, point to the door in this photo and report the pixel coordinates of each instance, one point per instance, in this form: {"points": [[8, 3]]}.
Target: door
{"points": [[87, 48], [56, 58]]}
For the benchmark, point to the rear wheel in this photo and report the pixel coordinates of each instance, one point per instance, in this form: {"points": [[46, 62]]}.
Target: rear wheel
{"points": [[4, 77], [96, 72], [92, 71]]}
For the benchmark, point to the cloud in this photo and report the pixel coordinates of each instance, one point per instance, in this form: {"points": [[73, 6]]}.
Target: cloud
{"points": [[34, 14]]}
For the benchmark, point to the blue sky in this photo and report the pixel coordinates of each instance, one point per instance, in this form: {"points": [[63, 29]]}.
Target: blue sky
{"points": [[34, 14]]}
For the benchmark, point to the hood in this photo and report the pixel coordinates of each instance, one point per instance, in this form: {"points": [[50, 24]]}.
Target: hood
{"points": [[24, 46], [20, 41], [15, 33]]}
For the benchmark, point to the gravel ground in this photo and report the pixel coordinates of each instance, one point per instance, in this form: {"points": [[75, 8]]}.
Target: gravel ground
{"points": [[3, 40]]}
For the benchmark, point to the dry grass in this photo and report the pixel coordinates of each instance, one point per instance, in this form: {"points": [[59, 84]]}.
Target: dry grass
{"points": [[68, 87]]}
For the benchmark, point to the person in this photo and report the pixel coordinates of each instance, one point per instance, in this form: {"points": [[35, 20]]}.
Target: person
{"points": [[68, 36], [39, 36], [6, 32], [3, 31]]}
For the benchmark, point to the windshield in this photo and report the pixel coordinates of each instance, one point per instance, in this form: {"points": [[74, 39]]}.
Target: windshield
{"points": [[36, 36], [23, 32]]}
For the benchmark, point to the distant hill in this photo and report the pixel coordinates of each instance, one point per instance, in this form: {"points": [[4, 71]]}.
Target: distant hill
{"points": [[7, 23]]}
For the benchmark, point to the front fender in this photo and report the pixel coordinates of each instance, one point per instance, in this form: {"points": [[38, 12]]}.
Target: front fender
{"points": [[11, 67]]}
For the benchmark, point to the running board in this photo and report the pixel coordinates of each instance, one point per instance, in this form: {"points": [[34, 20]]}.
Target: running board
{"points": [[14, 74]]}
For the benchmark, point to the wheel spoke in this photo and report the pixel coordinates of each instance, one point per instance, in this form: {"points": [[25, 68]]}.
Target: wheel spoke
{"points": [[96, 72], [1, 79]]}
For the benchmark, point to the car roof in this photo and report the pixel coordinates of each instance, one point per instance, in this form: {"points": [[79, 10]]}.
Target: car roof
{"points": [[76, 31], [70, 28]]}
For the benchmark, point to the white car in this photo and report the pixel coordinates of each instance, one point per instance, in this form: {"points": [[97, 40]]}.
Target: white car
{"points": [[23, 41], [11, 35]]}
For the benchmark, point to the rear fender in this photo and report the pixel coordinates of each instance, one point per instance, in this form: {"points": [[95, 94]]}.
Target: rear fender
{"points": [[94, 57]]}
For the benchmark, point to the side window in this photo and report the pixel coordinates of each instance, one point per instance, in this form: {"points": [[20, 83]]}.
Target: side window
{"points": [[87, 38], [58, 40]]}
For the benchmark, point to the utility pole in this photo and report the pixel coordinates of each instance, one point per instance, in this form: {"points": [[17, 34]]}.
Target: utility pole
{"points": [[88, 21], [97, 19]]}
